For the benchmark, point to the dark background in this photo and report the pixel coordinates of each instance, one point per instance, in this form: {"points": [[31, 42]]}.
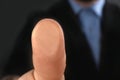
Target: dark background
{"points": [[13, 16]]}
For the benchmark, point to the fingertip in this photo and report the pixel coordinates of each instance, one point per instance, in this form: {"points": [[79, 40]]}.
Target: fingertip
{"points": [[48, 35]]}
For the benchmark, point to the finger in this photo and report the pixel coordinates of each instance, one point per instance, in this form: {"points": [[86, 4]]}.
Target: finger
{"points": [[48, 50]]}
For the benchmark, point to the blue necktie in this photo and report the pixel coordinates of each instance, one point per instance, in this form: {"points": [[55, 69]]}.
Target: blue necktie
{"points": [[91, 29]]}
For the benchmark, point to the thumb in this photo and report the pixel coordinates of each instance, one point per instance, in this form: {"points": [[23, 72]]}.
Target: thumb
{"points": [[48, 46]]}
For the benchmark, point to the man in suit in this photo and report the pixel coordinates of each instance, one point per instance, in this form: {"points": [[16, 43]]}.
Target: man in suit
{"points": [[91, 29]]}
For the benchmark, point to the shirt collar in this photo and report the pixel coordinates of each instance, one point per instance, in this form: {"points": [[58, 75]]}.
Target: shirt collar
{"points": [[97, 6]]}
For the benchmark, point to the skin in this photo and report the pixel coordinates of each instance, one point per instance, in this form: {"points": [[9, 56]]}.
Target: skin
{"points": [[48, 52], [86, 3]]}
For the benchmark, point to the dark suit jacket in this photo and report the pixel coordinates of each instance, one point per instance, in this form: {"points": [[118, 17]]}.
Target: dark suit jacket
{"points": [[80, 63]]}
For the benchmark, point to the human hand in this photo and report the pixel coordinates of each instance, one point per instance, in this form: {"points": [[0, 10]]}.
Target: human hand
{"points": [[48, 48]]}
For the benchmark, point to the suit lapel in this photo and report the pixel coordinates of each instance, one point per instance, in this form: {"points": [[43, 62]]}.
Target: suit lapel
{"points": [[82, 42], [107, 57]]}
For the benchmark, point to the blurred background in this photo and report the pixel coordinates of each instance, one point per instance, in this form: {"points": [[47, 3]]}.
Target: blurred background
{"points": [[13, 16]]}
